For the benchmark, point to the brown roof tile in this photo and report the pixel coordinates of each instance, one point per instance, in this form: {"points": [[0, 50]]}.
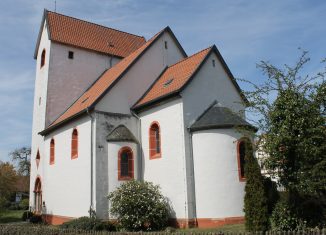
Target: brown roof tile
{"points": [[99, 88], [80, 33], [173, 78]]}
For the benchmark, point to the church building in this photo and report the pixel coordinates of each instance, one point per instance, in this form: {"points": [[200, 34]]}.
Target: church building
{"points": [[110, 106]]}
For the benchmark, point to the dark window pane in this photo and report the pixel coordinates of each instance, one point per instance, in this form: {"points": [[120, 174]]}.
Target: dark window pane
{"points": [[124, 164], [157, 140]]}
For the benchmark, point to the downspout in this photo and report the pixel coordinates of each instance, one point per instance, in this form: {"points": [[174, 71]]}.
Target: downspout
{"points": [[140, 167], [193, 178], [91, 209]]}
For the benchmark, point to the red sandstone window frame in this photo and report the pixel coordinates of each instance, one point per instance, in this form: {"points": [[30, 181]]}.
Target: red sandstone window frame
{"points": [[130, 176], [154, 136], [74, 144], [52, 151], [43, 58], [241, 172]]}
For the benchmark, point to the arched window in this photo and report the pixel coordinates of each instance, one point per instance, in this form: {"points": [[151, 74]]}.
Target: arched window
{"points": [[154, 141], [244, 147], [52, 151], [74, 144], [38, 158], [125, 164], [38, 195], [43, 58]]}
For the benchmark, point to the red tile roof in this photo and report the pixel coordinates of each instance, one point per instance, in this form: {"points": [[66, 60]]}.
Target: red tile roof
{"points": [[80, 33], [101, 86], [174, 78]]}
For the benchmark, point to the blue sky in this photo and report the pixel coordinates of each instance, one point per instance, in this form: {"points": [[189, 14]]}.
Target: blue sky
{"points": [[245, 31]]}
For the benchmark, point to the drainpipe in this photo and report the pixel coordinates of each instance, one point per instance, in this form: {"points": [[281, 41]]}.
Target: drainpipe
{"points": [[193, 178], [91, 202], [140, 167]]}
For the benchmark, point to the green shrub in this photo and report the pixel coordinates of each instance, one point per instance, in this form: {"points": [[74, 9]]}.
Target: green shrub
{"points": [[36, 219], [283, 219], [139, 206], [255, 201], [87, 223], [26, 215], [24, 204], [271, 193]]}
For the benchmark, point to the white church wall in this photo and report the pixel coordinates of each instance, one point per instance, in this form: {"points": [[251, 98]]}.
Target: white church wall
{"points": [[169, 170], [142, 74], [40, 94], [106, 155], [219, 193], [69, 78], [66, 183], [209, 84], [113, 150]]}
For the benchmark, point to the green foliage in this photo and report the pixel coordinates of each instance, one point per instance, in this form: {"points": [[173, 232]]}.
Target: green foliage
{"points": [[27, 215], [283, 219], [255, 201], [8, 180], [24, 204], [271, 193], [88, 224], [139, 206]]}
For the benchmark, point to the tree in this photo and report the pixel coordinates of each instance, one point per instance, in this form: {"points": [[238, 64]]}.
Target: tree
{"points": [[8, 179], [255, 200], [293, 126], [139, 206], [22, 157]]}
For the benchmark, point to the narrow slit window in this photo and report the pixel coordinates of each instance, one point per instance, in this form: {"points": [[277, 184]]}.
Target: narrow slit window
{"points": [[71, 55], [74, 144], [125, 164], [43, 58], [52, 151], [154, 141]]}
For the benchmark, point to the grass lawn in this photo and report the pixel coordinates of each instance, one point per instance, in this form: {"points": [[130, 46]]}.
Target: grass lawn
{"points": [[11, 216], [226, 228]]}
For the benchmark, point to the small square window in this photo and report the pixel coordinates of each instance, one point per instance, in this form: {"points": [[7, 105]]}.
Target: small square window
{"points": [[71, 55]]}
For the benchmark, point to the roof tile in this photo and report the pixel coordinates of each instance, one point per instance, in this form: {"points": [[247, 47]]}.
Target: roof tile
{"points": [[79, 33], [173, 78]]}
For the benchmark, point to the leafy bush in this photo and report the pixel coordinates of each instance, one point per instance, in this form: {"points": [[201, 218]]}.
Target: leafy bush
{"points": [[139, 206], [283, 219], [36, 219], [26, 215], [87, 223], [24, 204], [255, 200], [271, 193]]}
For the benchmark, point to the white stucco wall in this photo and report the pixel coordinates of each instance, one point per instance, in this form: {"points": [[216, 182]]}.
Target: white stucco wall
{"points": [[106, 156], [40, 94], [169, 170], [69, 78], [66, 183], [209, 84], [219, 193], [113, 150], [139, 78]]}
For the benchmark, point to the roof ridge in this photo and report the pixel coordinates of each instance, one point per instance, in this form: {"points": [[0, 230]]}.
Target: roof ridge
{"points": [[103, 26], [184, 59]]}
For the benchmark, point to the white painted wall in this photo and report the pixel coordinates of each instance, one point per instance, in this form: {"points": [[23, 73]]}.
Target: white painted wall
{"points": [[113, 150], [219, 193], [142, 74], [169, 170], [66, 183], [69, 78], [40, 94], [209, 84], [106, 156]]}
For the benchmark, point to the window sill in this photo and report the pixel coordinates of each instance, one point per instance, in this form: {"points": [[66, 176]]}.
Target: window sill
{"points": [[155, 156], [125, 178]]}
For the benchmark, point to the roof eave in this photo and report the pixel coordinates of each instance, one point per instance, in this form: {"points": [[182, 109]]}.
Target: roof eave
{"points": [[225, 126], [63, 122]]}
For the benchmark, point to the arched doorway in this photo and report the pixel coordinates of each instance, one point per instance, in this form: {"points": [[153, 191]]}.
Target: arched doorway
{"points": [[38, 195]]}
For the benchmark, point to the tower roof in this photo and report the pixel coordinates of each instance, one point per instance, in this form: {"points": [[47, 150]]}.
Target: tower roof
{"points": [[79, 33]]}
